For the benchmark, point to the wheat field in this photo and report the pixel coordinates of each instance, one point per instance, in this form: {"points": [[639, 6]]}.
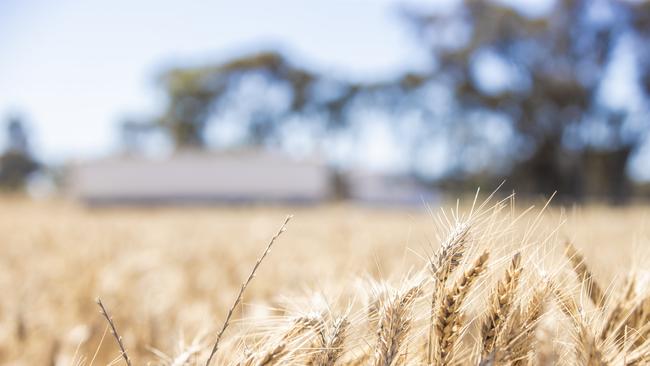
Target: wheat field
{"points": [[489, 283]]}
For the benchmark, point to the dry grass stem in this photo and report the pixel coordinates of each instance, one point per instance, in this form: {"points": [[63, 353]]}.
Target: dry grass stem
{"points": [[114, 332], [226, 322]]}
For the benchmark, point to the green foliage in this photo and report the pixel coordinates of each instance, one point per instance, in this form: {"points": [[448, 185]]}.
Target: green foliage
{"points": [[555, 64], [16, 163]]}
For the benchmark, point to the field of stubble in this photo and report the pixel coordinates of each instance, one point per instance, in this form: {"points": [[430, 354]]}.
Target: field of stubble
{"points": [[338, 287]]}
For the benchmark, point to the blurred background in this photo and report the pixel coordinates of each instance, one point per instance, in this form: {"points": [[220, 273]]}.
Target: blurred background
{"points": [[373, 101]]}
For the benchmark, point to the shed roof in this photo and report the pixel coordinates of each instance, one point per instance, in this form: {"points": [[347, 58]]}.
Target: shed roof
{"points": [[201, 177]]}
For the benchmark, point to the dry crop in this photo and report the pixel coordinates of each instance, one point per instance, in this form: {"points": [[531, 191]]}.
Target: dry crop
{"points": [[498, 286]]}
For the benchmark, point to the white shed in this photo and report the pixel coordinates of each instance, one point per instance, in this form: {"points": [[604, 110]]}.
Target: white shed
{"points": [[198, 177]]}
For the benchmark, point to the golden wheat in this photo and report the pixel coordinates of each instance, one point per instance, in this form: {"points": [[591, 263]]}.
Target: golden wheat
{"points": [[501, 302], [305, 306]]}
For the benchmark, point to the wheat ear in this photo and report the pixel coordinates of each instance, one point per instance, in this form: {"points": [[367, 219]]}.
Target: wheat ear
{"points": [[394, 326], [363, 359], [299, 326], [443, 264], [450, 253], [332, 343], [616, 317], [520, 339], [215, 347], [587, 351], [581, 269], [448, 320], [639, 320], [500, 305], [274, 355], [114, 332], [279, 349]]}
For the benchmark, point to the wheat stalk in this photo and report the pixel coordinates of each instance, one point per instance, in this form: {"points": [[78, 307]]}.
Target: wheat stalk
{"points": [[226, 322], [114, 332]]}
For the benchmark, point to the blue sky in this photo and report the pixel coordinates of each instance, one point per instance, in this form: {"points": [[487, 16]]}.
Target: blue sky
{"points": [[75, 68]]}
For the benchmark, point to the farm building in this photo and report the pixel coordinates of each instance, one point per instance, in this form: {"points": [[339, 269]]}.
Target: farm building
{"points": [[235, 177], [387, 190], [196, 177]]}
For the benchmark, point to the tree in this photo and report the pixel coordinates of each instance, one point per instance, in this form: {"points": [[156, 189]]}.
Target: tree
{"points": [[16, 163], [555, 65], [196, 94], [546, 73]]}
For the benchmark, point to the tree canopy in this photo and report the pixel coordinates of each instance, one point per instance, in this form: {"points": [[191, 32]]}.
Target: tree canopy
{"points": [[529, 88], [16, 162]]}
